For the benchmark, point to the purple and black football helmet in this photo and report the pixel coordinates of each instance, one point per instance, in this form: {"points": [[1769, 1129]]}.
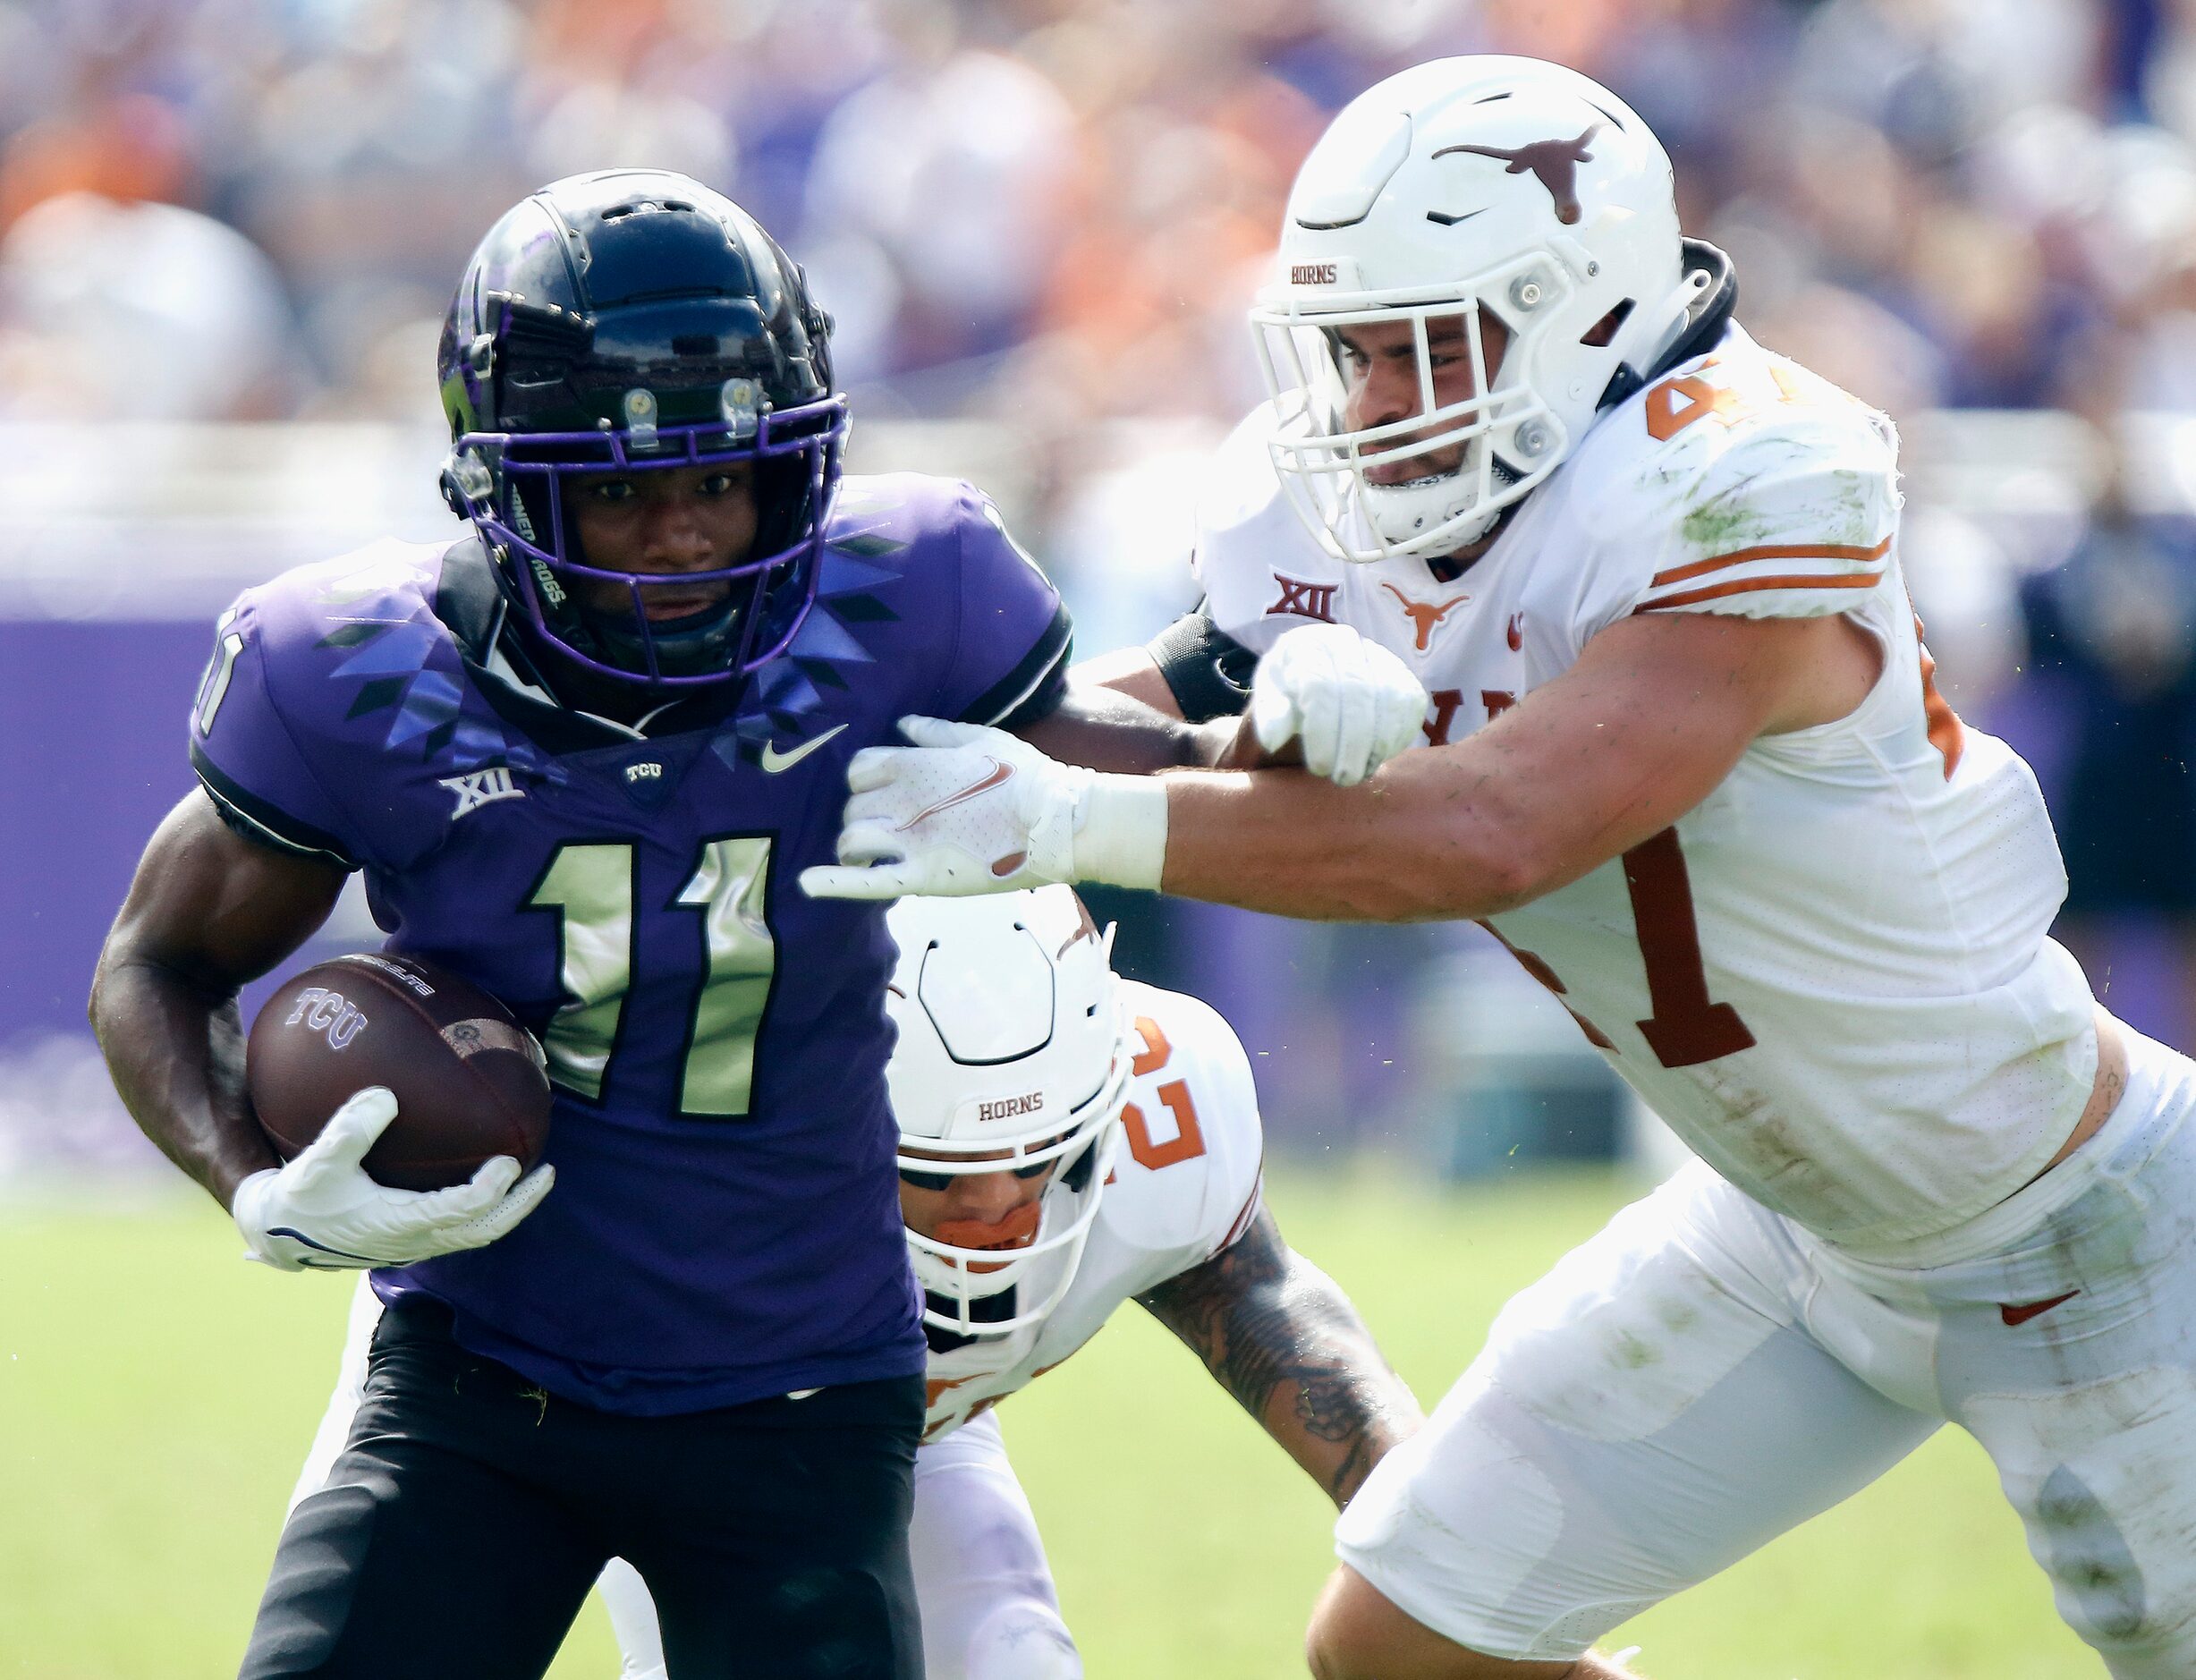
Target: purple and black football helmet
{"points": [[628, 321]]}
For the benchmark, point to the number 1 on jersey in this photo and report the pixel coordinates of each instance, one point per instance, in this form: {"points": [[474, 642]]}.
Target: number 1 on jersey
{"points": [[214, 686], [1686, 1027], [731, 889], [592, 889]]}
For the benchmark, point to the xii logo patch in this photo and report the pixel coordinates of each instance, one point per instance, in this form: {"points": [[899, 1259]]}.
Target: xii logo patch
{"points": [[476, 788], [1304, 600]]}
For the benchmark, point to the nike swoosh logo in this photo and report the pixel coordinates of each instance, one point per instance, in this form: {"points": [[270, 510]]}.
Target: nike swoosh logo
{"points": [[296, 1236], [2015, 1317], [773, 760], [999, 773]]}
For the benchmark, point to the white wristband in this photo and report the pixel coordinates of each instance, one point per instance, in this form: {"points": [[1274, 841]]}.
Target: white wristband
{"points": [[1121, 831]]}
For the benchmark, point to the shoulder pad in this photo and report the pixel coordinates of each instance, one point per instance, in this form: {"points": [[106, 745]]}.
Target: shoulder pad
{"points": [[279, 707], [1743, 484], [388, 578], [1252, 553], [898, 507], [1243, 483], [1192, 1145]]}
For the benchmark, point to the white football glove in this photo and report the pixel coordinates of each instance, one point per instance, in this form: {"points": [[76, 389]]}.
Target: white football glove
{"points": [[320, 1212], [969, 809], [1354, 703]]}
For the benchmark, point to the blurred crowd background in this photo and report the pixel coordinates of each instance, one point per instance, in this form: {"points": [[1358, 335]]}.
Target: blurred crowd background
{"points": [[229, 228]]}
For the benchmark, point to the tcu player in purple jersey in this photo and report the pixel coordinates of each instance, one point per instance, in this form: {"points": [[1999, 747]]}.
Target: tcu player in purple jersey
{"points": [[580, 755], [1069, 1141]]}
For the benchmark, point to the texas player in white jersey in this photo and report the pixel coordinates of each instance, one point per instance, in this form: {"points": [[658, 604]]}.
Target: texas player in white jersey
{"points": [[1682, 755], [1069, 1141], [1738, 483]]}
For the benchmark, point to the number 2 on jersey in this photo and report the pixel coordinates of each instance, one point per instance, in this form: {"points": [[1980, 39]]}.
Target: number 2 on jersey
{"points": [[1188, 1140], [591, 887]]}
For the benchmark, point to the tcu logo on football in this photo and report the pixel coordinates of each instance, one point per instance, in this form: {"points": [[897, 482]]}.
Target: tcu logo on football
{"points": [[330, 1013]]}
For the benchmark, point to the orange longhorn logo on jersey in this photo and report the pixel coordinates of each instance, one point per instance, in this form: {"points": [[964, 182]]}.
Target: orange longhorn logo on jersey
{"points": [[1423, 615], [935, 1386]]}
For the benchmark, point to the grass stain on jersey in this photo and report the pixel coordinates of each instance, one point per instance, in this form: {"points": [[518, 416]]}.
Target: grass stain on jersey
{"points": [[1630, 1353], [1729, 520], [1718, 529]]}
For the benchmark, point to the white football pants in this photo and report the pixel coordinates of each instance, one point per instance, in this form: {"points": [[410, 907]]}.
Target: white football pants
{"points": [[1704, 1375]]}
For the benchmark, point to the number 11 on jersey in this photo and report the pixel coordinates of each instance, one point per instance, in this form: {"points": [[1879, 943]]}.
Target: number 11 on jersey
{"points": [[592, 889]]}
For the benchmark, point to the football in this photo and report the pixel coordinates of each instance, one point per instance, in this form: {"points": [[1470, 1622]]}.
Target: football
{"points": [[471, 1082]]}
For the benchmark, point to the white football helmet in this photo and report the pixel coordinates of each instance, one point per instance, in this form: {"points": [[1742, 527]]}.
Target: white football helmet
{"points": [[1462, 188], [1013, 1057]]}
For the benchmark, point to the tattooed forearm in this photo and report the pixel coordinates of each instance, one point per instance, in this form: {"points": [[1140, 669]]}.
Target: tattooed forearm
{"points": [[1287, 1343]]}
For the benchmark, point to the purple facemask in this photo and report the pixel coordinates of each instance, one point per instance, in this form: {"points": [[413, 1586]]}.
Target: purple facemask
{"points": [[510, 483]]}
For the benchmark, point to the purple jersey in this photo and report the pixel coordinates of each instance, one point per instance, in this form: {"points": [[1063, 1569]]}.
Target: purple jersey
{"points": [[725, 1223]]}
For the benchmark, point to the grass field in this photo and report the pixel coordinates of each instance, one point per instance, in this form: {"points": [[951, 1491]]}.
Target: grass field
{"points": [[156, 1394]]}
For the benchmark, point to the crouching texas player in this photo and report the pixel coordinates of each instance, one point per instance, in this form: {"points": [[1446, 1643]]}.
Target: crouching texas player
{"points": [[1068, 1141], [1687, 761]]}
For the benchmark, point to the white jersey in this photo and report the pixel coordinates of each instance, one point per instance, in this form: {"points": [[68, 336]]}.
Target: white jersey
{"points": [[1184, 1185], [1832, 977]]}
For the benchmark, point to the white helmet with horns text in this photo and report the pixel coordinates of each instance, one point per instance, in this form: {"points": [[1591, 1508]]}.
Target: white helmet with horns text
{"points": [[1013, 1057], [1461, 189]]}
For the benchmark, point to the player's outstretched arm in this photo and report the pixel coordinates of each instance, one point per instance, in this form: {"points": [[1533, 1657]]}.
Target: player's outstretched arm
{"points": [[1121, 713], [1134, 672], [207, 911], [1112, 726], [1653, 716], [1282, 1337], [1323, 695]]}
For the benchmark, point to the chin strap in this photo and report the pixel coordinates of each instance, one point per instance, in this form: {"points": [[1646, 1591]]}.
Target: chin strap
{"points": [[1714, 285], [684, 651]]}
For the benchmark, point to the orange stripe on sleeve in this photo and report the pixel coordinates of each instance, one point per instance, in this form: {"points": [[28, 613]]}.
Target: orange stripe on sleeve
{"points": [[1771, 551], [1740, 586]]}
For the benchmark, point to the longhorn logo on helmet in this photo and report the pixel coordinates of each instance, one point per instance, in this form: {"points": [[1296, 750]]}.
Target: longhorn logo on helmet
{"points": [[1555, 163]]}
